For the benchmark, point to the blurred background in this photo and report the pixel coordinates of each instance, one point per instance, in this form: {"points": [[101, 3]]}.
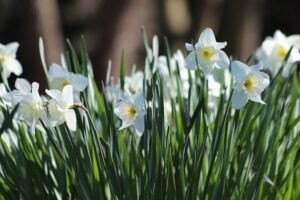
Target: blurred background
{"points": [[111, 25]]}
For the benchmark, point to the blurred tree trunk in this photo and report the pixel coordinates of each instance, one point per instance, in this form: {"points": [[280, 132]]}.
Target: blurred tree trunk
{"points": [[119, 28], [240, 27]]}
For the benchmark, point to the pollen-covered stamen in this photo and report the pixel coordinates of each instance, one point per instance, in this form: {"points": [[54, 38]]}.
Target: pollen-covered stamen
{"points": [[206, 53]]}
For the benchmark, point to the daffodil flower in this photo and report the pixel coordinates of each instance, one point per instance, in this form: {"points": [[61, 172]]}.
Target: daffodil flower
{"points": [[206, 53], [131, 111], [60, 77], [250, 82], [29, 100], [169, 75], [60, 107], [274, 49], [8, 61], [134, 84]]}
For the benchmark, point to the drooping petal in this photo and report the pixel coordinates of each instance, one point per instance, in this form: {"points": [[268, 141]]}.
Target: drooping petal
{"points": [[223, 61], [139, 125], [70, 117], [256, 98], [239, 99]]}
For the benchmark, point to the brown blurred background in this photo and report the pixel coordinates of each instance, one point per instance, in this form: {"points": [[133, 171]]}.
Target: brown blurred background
{"points": [[111, 25]]}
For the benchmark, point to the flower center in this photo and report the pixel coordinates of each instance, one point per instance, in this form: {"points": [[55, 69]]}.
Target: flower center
{"points": [[2, 59], [250, 83], [281, 52], [206, 53], [63, 83], [131, 111]]}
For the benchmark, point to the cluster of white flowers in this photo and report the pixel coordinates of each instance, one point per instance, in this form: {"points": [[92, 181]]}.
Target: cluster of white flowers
{"points": [[177, 74], [207, 56], [53, 109]]}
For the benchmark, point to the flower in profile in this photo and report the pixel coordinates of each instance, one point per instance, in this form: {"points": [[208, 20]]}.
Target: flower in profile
{"points": [[131, 111], [274, 50], [29, 100], [60, 77], [8, 62], [60, 108], [250, 82], [206, 53]]}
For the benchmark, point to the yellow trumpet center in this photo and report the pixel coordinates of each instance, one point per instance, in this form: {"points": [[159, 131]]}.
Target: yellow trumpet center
{"points": [[281, 52], [63, 83], [206, 53], [131, 111], [250, 83]]}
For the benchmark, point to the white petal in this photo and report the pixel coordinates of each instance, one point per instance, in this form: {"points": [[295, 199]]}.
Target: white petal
{"points": [[256, 97], [239, 99], [139, 126], [57, 71], [294, 40], [279, 36], [189, 47], [23, 85], [35, 91], [256, 67], [207, 37], [190, 61], [207, 70], [70, 117], [68, 94], [55, 94], [12, 48], [125, 124], [13, 65], [78, 81], [223, 61], [239, 70], [138, 100]]}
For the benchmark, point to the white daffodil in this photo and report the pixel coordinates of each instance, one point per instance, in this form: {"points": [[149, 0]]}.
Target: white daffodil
{"points": [[60, 77], [114, 93], [169, 74], [8, 61], [274, 49], [60, 108], [29, 100], [250, 82], [134, 84], [206, 53], [131, 111]]}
